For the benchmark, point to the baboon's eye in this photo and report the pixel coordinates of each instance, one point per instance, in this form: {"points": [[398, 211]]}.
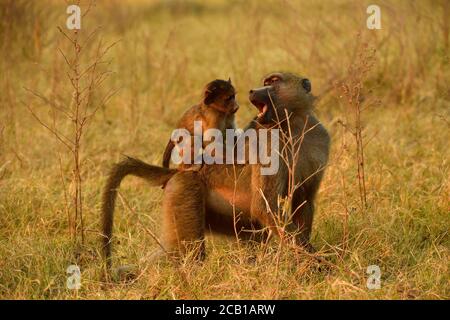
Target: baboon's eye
{"points": [[306, 84], [231, 98], [270, 81]]}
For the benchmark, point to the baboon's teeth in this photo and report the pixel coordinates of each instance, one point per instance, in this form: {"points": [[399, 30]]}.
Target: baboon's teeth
{"points": [[264, 110]]}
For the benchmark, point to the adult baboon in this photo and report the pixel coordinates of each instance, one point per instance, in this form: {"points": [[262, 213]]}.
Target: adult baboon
{"points": [[207, 199]]}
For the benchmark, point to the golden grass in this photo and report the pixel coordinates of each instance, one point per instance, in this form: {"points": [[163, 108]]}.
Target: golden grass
{"points": [[165, 55]]}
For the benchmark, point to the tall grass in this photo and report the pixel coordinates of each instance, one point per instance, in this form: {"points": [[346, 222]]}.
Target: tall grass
{"points": [[166, 52]]}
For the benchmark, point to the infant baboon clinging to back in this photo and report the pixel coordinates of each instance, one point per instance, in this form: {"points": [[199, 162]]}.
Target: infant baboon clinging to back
{"points": [[215, 111]]}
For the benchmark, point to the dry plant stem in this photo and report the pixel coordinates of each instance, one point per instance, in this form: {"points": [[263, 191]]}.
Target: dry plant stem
{"points": [[352, 89], [63, 182], [344, 192], [78, 129], [233, 204], [346, 214], [83, 81], [52, 102], [235, 217], [360, 152]]}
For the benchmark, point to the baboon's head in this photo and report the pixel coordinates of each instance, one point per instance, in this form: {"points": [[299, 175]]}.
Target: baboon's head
{"points": [[281, 91], [221, 95]]}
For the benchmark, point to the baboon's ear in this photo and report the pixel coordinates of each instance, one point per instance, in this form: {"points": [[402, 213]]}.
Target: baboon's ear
{"points": [[209, 97], [306, 84], [229, 80]]}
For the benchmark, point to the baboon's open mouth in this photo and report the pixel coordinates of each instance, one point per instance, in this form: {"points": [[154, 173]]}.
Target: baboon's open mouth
{"points": [[262, 107], [234, 110]]}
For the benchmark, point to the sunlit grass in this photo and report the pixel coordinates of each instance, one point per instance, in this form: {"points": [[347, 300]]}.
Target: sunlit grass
{"points": [[165, 56]]}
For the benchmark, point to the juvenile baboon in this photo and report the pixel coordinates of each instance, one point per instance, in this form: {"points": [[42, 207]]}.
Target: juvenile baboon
{"points": [[194, 201], [215, 111]]}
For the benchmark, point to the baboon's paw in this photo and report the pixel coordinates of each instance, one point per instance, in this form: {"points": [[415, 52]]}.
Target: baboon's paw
{"points": [[125, 273]]}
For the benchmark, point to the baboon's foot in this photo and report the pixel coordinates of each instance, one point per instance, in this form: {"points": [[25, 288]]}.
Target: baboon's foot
{"points": [[156, 257], [125, 273]]}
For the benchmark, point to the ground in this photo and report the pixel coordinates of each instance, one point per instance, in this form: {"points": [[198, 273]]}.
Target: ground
{"points": [[165, 53]]}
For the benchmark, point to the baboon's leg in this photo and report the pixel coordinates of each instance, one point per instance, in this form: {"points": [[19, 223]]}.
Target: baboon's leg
{"points": [[264, 202], [303, 217], [300, 227], [183, 228], [260, 212]]}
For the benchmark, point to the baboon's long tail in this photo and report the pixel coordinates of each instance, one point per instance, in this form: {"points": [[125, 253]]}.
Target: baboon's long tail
{"points": [[157, 176], [167, 154]]}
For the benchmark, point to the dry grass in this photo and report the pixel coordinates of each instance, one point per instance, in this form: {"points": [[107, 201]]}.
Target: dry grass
{"points": [[165, 55]]}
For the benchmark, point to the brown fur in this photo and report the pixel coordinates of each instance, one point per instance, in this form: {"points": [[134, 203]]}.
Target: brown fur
{"points": [[216, 111], [195, 201]]}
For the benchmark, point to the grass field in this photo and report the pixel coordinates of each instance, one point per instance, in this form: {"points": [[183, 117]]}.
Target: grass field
{"points": [[164, 53]]}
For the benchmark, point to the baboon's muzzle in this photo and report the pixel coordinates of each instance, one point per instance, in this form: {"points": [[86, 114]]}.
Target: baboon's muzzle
{"points": [[259, 97]]}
